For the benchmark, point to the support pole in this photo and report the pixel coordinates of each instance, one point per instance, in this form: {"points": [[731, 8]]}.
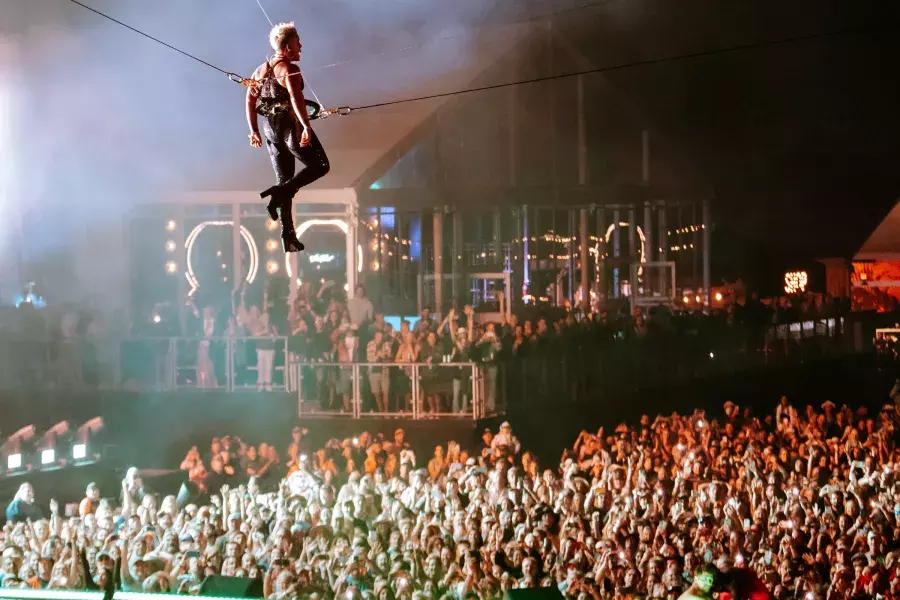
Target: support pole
{"points": [[237, 267], [438, 261], [458, 265], [663, 246], [617, 250], [526, 279], [706, 250], [352, 241], [601, 262], [571, 261], [585, 257]]}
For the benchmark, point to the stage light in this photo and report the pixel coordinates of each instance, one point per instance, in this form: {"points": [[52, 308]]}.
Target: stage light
{"points": [[171, 246], [718, 296], [271, 267], [84, 448], [224, 266], [697, 298], [53, 438], [686, 300], [157, 319], [171, 267], [16, 446], [271, 245], [271, 225], [14, 461], [171, 225]]}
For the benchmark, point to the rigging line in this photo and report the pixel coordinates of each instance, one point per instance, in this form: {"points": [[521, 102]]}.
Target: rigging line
{"points": [[623, 66], [453, 37], [271, 24], [158, 41], [305, 78]]}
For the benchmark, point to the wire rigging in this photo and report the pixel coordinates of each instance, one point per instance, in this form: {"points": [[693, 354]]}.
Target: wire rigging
{"points": [[623, 66], [147, 35], [306, 79], [345, 110]]}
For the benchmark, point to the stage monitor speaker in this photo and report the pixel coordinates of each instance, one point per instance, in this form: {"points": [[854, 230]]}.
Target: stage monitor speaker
{"points": [[543, 593], [231, 587]]}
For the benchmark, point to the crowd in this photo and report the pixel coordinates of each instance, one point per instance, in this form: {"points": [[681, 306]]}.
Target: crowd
{"points": [[264, 331], [807, 499]]}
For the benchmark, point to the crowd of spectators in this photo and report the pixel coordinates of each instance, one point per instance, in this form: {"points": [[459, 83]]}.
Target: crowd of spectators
{"points": [[807, 499], [634, 347]]}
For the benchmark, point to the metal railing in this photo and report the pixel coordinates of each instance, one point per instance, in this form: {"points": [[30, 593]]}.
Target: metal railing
{"points": [[161, 364], [410, 390]]}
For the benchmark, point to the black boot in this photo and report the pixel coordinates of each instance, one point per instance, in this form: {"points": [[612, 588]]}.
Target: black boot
{"points": [[289, 240], [279, 196]]}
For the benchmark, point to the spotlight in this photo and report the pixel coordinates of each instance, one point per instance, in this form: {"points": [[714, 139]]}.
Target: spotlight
{"points": [[271, 245], [170, 246], [718, 296], [53, 438], [171, 225], [84, 448], [686, 300], [79, 451], [272, 267], [14, 461], [171, 267], [271, 225], [224, 266], [15, 447], [697, 298], [157, 319]]}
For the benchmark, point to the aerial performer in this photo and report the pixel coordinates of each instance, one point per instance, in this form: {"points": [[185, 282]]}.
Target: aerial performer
{"points": [[278, 97]]}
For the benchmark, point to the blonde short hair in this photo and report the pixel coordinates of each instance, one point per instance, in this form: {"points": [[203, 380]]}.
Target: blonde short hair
{"points": [[281, 34]]}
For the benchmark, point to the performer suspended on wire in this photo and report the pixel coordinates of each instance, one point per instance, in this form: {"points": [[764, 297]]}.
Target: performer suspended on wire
{"points": [[288, 134]]}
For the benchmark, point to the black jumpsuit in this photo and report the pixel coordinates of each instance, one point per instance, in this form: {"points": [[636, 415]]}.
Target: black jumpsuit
{"points": [[282, 135]]}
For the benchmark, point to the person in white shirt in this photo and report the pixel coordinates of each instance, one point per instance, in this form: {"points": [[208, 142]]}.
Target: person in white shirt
{"points": [[360, 308], [505, 443]]}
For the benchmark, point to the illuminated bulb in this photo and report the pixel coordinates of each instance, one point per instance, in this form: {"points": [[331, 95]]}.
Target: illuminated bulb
{"points": [[346, 287], [218, 253], [171, 267], [686, 300], [170, 246], [224, 266], [374, 265], [697, 298], [171, 225], [718, 296], [157, 318], [374, 222], [271, 225], [271, 245], [272, 267], [299, 283]]}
